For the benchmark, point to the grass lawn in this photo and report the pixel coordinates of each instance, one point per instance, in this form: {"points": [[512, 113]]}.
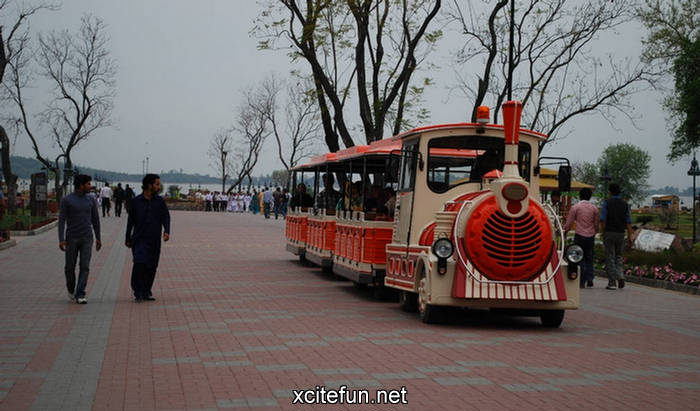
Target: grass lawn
{"points": [[682, 225]]}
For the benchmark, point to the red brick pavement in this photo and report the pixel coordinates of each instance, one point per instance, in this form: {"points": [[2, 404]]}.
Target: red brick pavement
{"points": [[239, 323]]}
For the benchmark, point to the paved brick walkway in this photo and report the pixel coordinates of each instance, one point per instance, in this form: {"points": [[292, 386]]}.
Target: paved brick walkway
{"points": [[238, 324]]}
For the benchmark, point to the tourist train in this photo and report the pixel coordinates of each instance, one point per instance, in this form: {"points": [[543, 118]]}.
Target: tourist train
{"points": [[449, 215]]}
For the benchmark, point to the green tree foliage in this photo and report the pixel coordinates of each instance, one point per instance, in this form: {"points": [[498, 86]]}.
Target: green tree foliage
{"points": [[685, 102], [586, 172], [673, 46], [628, 166]]}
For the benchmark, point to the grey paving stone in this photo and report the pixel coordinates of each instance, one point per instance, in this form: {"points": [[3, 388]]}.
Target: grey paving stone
{"points": [[173, 328], [173, 360], [609, 377], [306, 343], [678, 385], [82, 352], [283, 393], [443, 345], [450, 381], [571, 381], [619, 350], [247, 403], [678, 368], [297, 336], [530, 387], [563, 345], [399, 376], [260, 348], [209, 354], [281, 367], [483, 364], [344, 339], [543, 370], [442, 368], [393, 341], [380, 334], [336, 371], [262, 333], [227, 363], [641, 373], [353, 383]]}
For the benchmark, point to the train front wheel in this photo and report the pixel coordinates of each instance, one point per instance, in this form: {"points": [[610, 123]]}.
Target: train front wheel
{"points": [[428, 313], [552, 318]]}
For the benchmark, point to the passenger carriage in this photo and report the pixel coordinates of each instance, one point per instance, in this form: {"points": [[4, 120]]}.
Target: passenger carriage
{"points": [[467, 228]]}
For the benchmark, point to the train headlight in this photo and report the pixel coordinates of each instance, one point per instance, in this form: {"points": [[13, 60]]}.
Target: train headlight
{"points": [[573, 253], [443, 248]]}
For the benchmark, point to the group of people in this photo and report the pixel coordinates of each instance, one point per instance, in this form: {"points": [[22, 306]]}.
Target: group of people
{"points": [[612, 220], [375, 200], [122, 198], [267, 201], [148, 221]]}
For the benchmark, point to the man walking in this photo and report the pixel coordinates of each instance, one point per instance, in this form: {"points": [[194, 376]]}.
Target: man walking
{"points": [[148, 218], [118, 200], [128, 198], [267, 202], [585, 215], [77, 218], [105, 196], [614, 219]]}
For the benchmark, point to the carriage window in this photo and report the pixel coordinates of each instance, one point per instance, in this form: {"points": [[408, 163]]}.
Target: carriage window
{"points": [[408, 166], [469, 159]]}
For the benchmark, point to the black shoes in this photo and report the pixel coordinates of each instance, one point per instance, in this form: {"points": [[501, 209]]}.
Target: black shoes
{"points": [[149, 298], [620, 283], [589, 283]]}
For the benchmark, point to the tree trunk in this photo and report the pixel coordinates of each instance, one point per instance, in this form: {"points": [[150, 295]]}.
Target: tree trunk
{"points": [[10, 179]]}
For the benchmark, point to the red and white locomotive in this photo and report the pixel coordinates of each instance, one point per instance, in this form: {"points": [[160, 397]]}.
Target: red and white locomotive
{"points": [[466, 227]]}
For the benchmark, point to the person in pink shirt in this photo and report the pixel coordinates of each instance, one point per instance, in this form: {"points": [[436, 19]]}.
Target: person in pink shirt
{"points": [[585, 216]]}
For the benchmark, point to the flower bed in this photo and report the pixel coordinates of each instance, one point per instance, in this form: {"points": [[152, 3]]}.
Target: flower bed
{"points": [[664, 273]]}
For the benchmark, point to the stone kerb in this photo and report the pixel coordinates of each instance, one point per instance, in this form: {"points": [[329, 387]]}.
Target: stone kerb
{"points": [[42, 229]]}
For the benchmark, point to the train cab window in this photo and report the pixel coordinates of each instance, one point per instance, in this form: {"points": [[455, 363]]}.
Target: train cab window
{"points": [[453, 161], [408, 166]]}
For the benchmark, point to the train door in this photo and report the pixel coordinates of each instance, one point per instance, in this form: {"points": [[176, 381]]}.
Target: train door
{"points": [[405, 196]]}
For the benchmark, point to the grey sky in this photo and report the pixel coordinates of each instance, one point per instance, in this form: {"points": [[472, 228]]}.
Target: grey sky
{"points": [[182, 65]]}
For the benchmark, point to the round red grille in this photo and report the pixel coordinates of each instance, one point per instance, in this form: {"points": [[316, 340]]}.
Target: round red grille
{"points": [[504, 248]]}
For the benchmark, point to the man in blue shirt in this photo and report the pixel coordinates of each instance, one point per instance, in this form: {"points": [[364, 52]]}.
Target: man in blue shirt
{"points": [[148, 218], [614, 219], [79, 212]]}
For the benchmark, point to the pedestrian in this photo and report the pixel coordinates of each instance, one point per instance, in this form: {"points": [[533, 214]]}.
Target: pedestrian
{"points": [[254, 203], [277, 198], [614, 219], [585, 216], [128, 198], [267, 200], [208, 201], [118, 200], [148, 219], [77, 219], [105, 196]]}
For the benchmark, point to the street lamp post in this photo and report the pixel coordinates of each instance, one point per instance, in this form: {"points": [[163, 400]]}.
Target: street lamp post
{"points": [[694, 171], [224, 153]]}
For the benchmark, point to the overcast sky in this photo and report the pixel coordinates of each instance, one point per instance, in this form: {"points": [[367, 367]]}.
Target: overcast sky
{"points": [[182, 65]]}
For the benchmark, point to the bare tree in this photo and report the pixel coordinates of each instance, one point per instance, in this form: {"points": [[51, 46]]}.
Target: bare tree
{"points": [[556, 74], [253, 128], [82, 74], [385, 41], [12, 46], [219, 148], [297, 130]]}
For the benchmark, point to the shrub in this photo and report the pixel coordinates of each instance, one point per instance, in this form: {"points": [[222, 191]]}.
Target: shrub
{"points": [[643, 219]]}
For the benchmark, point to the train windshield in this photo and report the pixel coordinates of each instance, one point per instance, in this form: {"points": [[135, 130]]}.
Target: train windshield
{"points": [[453, 161]]}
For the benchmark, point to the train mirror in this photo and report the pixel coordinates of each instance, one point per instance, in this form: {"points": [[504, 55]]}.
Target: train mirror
{"points": [[564, 178]]}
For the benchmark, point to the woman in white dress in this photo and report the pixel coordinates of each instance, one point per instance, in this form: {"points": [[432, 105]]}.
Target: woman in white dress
{"points": [[246, 201]]}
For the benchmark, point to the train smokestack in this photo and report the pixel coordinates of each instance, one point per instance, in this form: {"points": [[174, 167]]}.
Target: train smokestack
{"points": [[512, 111]]}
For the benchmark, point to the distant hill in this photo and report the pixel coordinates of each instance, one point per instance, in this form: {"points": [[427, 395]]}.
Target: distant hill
{"points": [[24, 167]]}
